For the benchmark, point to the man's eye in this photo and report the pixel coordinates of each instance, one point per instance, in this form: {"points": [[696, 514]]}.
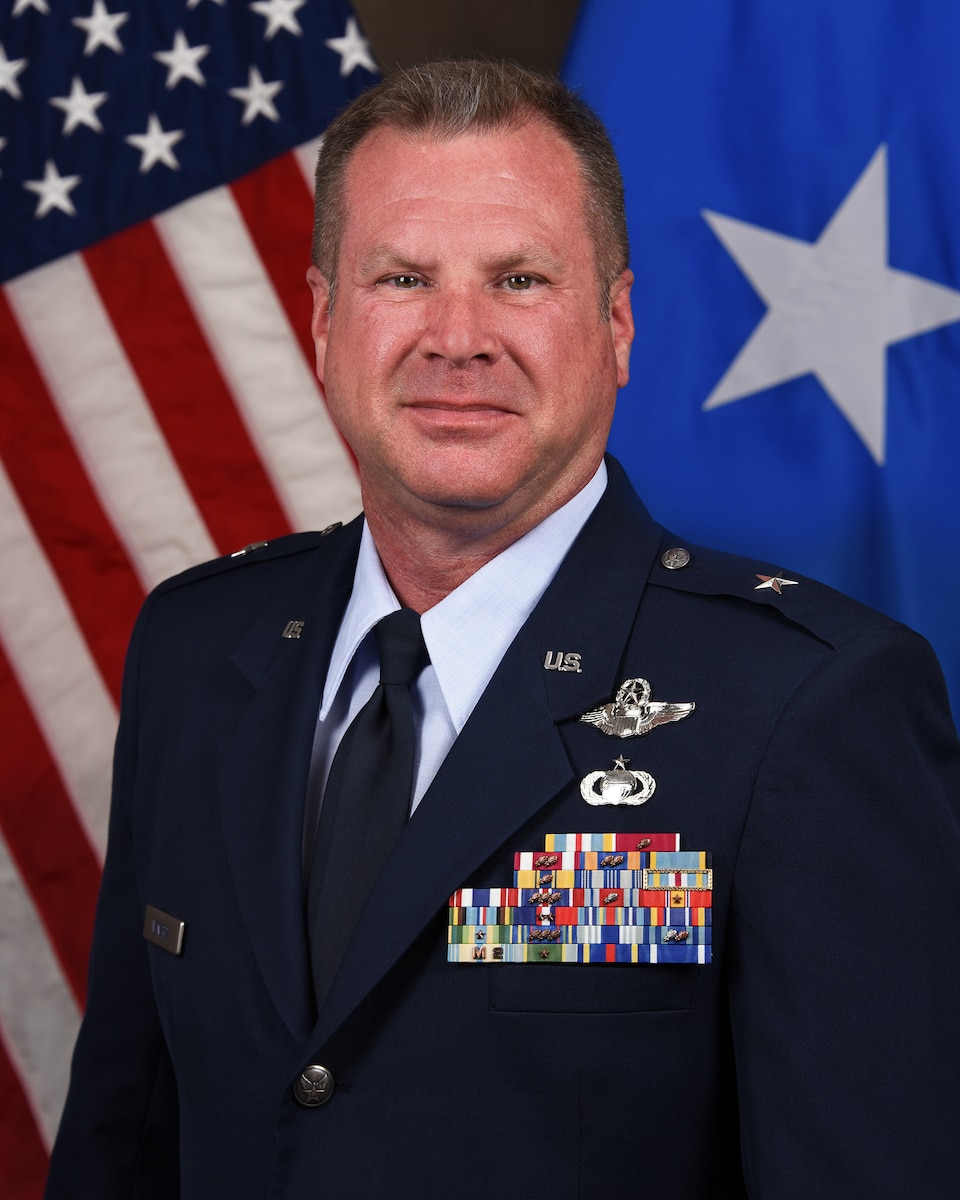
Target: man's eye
{"points": [[403, 281], [520, 283]]}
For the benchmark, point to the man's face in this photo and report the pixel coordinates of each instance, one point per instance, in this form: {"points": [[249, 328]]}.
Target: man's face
{"points": [[465, 360]]}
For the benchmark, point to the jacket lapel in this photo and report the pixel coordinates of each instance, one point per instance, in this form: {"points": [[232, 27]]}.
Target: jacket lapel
{"points": [[510, 759], [264, 763]]}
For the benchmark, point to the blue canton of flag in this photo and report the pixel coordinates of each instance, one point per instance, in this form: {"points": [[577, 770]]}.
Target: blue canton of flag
{"points": [[158, 406], [792, 172], [110, 116]]}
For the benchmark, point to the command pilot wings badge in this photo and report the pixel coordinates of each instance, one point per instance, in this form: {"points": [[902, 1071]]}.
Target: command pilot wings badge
{"points": [[633, 713]]}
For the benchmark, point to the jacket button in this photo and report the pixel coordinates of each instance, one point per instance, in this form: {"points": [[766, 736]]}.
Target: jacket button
{"points": [[313, 1086], [675, 559]]}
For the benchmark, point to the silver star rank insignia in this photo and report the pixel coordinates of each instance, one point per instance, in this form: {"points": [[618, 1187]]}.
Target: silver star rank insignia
{"points": [[775, 582]]}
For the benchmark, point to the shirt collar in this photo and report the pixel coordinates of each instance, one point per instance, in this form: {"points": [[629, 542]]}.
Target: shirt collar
{"points": [[469, 631], [371, 600]]}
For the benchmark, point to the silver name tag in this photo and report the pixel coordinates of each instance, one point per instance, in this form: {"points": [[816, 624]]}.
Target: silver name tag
{"points": [[163, 930]]}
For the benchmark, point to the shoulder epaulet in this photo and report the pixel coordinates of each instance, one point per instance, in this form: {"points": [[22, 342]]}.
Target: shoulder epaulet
{"points": [[827, 614], [256, 552]]}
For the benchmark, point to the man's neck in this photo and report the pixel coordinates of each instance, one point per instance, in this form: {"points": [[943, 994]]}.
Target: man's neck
{"points": [[425, 563], [428, 555]]}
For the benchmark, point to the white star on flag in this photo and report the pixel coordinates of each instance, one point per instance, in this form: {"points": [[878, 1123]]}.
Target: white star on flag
{"points": [[183, 61], [257, 97], [101, 28], [80, 107], [196, 3], [156, 145], [353, 49], [280, 14], [54, 191], [833, 307], [10, 68], [21, 6]]}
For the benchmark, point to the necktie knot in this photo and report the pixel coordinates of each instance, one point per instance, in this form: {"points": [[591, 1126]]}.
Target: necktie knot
{"points": [[400, 645]]}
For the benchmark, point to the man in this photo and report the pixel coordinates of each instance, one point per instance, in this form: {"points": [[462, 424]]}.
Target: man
{"points": [[656, 731]]}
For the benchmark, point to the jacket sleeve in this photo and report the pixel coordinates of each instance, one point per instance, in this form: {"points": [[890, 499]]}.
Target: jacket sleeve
{"points": [[845, 939], [118, 1135]]}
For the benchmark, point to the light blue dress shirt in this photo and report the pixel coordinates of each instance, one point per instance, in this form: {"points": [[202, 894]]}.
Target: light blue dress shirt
{"points": [[467, 634]]}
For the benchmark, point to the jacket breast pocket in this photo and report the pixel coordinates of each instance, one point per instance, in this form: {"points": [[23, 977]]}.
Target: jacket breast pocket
{"points": [[597, 988]]}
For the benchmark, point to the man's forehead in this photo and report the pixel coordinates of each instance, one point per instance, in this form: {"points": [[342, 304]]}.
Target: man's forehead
{"points": [[509, 198], [503, 144]]}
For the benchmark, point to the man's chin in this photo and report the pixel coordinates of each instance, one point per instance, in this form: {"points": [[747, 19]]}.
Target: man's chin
{"points": [[446, 499], [462, 505], [465, 476]]}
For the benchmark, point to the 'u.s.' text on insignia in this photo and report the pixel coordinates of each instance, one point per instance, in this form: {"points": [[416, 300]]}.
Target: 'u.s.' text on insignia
{"points": [[633, 713], [558, 660], [618, 785]]}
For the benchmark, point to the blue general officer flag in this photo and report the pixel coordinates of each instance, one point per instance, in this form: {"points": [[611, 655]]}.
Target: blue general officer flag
{"points": [[793, 176]]}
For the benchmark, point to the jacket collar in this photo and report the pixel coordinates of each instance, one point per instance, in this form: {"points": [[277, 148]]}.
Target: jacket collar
{"points": [[264, 763]]}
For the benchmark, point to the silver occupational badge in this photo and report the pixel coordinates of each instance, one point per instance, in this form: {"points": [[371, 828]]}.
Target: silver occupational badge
{"points": [[617, 786], [633, 713]]}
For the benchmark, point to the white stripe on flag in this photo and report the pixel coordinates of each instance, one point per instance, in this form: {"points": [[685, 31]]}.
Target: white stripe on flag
{"points": [[54, 668], [109, 419], [38, 1016], [306, 156], [237, 307]]}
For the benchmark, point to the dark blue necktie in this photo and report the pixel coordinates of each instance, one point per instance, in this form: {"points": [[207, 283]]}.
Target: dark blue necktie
{"points": [[367, 798]]}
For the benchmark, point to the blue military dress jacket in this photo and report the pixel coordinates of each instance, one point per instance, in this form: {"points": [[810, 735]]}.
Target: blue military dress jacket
{"points": [[813, 1056]]}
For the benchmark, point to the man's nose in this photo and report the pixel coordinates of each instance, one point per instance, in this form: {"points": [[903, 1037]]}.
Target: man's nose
{"points": [[460, 327]]}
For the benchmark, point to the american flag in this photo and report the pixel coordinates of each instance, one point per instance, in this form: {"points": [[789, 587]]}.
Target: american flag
{"points": [[157, 407]]}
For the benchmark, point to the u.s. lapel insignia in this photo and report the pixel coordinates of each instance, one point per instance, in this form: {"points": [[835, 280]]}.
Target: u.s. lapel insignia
{"points": [[618, 785], [633, 713], [558, 660]]}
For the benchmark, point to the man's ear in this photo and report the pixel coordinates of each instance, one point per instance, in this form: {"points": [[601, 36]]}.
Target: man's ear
{"points": [[320, 322], [621, 325]]}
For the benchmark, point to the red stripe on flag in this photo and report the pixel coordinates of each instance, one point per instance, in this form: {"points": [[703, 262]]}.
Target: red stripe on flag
{"points": [[22, 1152], [47, 842], [276, 207], [189, 397], [76, 534]]}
